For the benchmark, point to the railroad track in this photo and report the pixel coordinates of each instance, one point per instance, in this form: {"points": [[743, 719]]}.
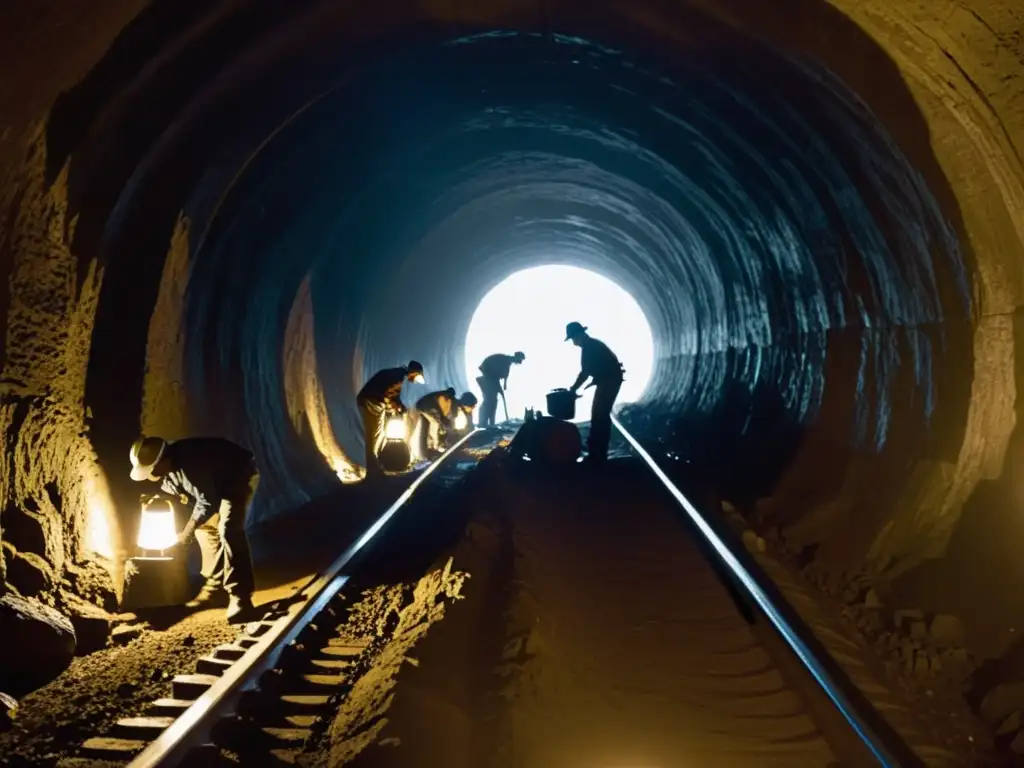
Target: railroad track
{"points": [[260, 699], [263, 693]]}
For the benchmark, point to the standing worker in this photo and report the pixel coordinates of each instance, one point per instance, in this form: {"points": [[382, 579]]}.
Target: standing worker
{"points": [[436, 413], [601, 364], [382, 395], [220, 478], [494, 382]]}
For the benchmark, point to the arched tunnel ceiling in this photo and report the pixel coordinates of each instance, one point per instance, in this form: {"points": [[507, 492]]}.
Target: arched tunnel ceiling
{"points": [[215, 115]]}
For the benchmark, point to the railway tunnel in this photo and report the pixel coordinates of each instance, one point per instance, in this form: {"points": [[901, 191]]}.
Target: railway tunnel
{"points": [[224, 219]]}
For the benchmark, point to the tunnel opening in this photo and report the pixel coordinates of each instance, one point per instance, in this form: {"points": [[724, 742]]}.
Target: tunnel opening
{"points": [[528, 311], [812, 291]]}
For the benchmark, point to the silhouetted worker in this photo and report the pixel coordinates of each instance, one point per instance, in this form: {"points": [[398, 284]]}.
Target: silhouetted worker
{"points": [[436, 412], [599, 363], [466, 404], [494, 382], [220, 478], [380, 397]]}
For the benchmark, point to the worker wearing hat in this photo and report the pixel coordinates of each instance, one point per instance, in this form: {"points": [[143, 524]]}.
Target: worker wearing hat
{"points": [[600, 364], [436, 411], [466, 403], [219, 479], [493, 382], [380, 396]]}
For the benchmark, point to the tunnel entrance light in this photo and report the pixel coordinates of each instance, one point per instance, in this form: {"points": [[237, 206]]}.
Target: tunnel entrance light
{"points": [[529, 310]]}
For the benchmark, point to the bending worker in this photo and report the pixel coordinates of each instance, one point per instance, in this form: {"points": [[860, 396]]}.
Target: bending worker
{"points": [[436, 413], [599, 363], [220, 478], [465, 405], [494, 382], [379, 397]]}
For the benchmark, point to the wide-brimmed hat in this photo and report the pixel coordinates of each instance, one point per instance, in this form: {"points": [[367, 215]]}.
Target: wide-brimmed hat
{"points": [[145, 454], [574, 329]]}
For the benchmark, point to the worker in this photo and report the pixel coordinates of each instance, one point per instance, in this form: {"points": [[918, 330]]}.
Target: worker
{"points": [[465, 405], [380, 397], [599, 363], [219, 479], [493, 382], [436, 411]]}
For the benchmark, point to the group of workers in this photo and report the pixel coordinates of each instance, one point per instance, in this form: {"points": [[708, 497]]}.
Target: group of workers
{"points": [[219, 478]]}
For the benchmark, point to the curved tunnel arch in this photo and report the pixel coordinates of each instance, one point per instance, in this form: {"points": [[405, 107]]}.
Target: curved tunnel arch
{"points": [[148, 142]]}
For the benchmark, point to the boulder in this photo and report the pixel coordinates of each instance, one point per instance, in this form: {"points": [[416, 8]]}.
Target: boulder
{"points": [[1001, 701], [947, 630], [38, 644], [1011, 724], [8, 710], [91, 623]]}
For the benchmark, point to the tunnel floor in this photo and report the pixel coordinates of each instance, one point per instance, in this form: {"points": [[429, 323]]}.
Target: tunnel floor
{"points": [[592, 633]]}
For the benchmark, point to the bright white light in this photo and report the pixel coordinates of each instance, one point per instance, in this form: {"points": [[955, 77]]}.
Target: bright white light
{"points": [[156, 528], [395, 429], [461, 421], [528, 312]]}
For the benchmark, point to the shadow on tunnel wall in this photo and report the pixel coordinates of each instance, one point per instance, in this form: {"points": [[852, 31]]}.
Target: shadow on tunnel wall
{"points": [[146, 143]]}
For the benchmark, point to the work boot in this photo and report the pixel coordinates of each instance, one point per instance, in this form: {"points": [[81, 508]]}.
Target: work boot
{"points": [[212, 595], [240, 610]]}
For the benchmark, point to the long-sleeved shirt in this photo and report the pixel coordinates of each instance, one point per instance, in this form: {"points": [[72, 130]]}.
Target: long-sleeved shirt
{"points": [[208, 470], [385, 386], [597, 360], [497, 367], [436, 402]]}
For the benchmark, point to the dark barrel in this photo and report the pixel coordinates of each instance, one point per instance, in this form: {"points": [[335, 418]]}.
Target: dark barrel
{"points": [[562, 404]]}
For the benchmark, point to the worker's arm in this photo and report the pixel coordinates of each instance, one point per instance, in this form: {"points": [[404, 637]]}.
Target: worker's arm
{"points": [[584, 375], [178, 484]]}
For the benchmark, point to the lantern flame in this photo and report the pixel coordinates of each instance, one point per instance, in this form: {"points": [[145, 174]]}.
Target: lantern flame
{"points": [[460, 420], [395, 429], [157, 530]]}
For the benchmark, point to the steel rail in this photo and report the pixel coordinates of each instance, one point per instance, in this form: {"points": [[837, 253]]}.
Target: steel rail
{"points": [[192, 727], [877, 735]]}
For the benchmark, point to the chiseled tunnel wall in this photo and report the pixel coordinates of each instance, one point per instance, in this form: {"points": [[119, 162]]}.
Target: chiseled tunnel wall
{"points": [[222, 220]]}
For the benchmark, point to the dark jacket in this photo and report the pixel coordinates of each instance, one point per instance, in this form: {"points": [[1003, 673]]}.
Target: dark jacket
{"points": [[439, 403], [385, 386], [497, 366], [597, 360], [207, 469]]}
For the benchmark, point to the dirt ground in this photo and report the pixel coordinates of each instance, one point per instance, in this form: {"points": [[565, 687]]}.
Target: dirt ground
{"points": [[541, 639]]}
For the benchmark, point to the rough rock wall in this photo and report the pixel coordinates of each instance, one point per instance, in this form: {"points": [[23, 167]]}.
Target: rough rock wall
{"points": [[164, 402], [53, 494], [307, 406]]}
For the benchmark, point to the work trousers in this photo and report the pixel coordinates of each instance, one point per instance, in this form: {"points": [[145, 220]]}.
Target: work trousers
{"points": [[223, 538], [373, 414], [491, 390], [433, 426], [600, 433]]}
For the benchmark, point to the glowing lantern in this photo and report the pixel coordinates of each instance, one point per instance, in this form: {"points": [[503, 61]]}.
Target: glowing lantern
{"points": [[461, 421], [157, 529], [395, 429]]}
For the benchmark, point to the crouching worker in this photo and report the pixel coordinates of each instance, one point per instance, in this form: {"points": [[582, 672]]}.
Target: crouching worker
{"points": [[220, 479], [462, 421], [436, 412], [379, 397]]}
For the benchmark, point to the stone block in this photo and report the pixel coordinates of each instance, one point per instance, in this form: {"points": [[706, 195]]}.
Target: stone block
{"points": [[155, 582], [91, 623]]}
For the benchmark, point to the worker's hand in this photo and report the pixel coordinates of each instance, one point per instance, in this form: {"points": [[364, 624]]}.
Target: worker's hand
{"points": [[187, 533]]}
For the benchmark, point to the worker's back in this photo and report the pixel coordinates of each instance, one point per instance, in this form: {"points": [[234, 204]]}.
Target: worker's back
{"points": [[436, 402], [497, 366], [598, 360], [384, 385]]}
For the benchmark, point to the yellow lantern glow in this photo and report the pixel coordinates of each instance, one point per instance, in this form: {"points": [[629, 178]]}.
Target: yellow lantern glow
{"points": [[395, 429], [460, 420], [157, 530]]}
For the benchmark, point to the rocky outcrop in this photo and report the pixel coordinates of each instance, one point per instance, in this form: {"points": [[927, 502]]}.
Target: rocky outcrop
{"points": [[38, 644]]}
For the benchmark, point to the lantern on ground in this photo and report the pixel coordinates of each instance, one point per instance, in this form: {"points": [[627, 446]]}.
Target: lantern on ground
{"points": [[158, 530], [395, 455], [161, 575]]}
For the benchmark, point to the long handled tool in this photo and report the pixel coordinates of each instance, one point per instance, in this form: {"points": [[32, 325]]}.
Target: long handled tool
{"points": [[504, 404]]}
